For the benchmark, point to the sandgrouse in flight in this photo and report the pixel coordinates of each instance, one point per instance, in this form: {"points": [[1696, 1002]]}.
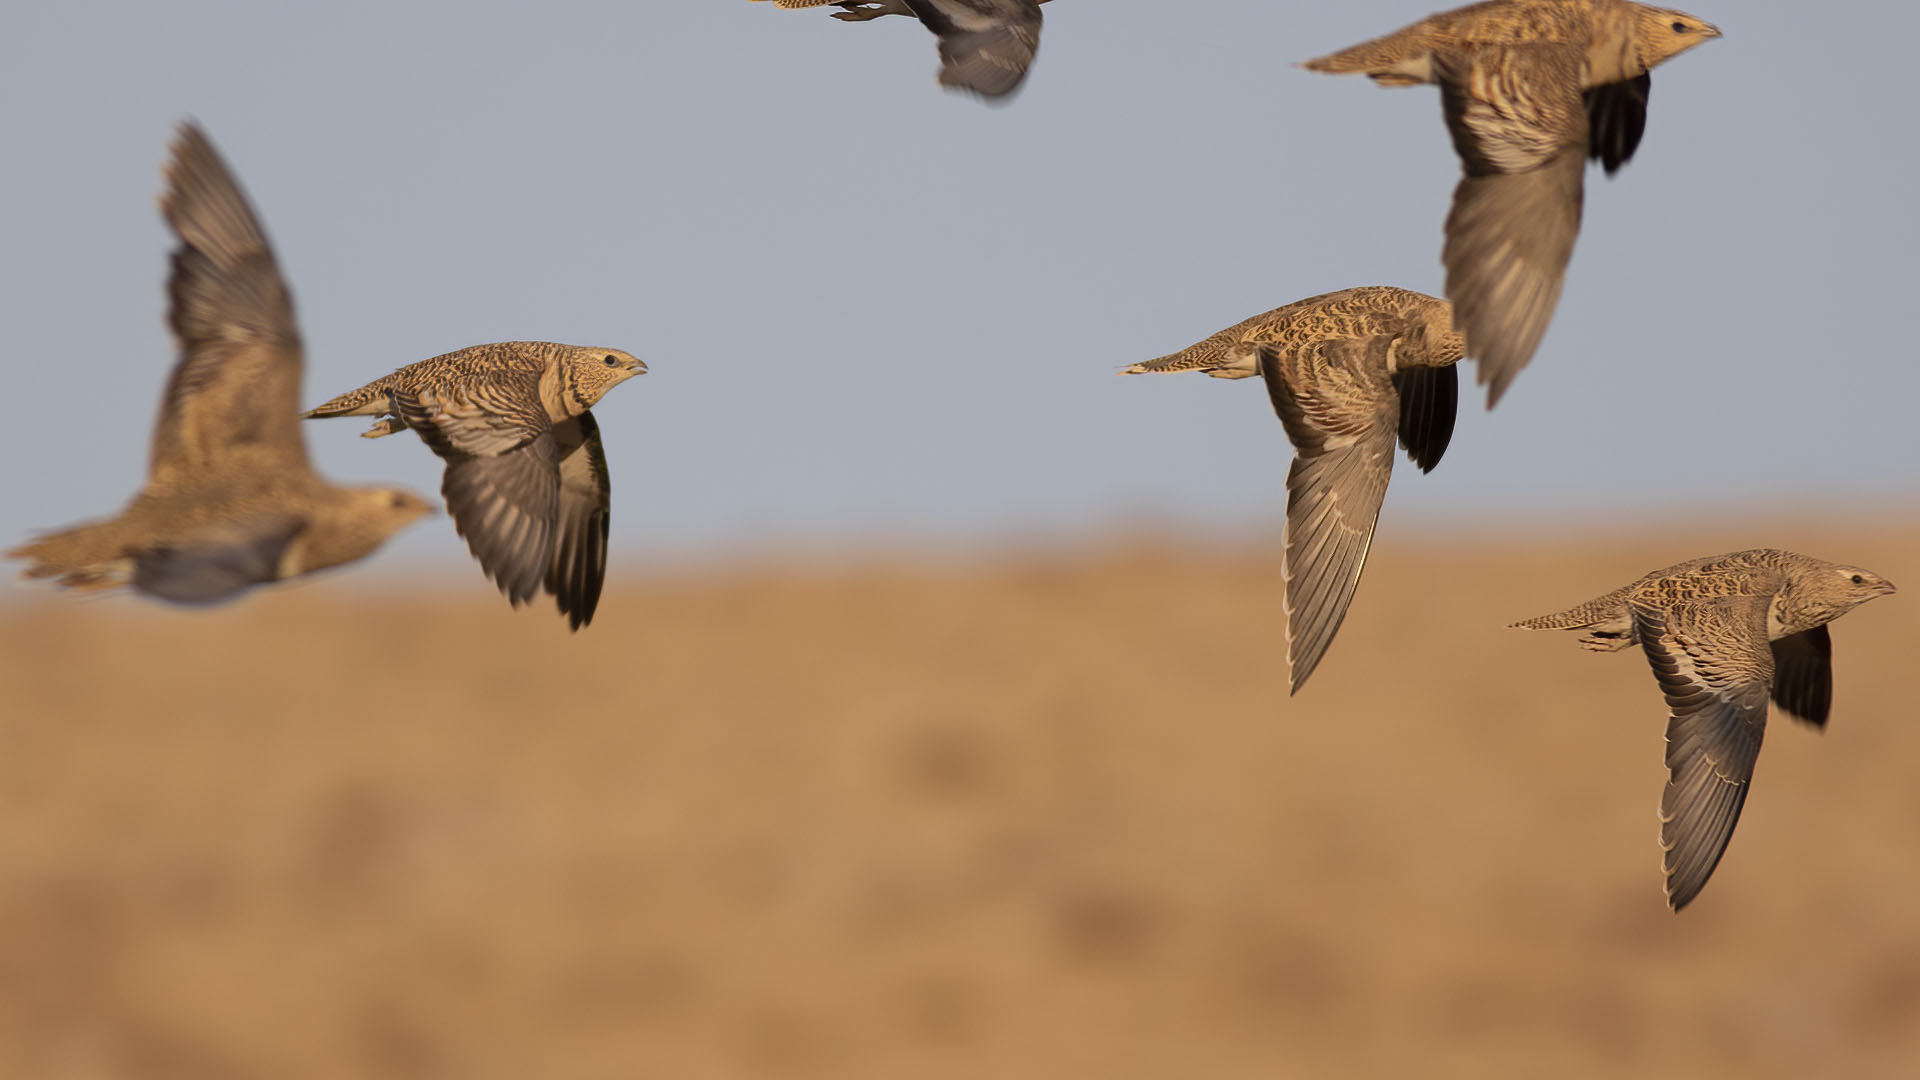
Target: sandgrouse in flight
{"points": [[526, 477], [1346, 372], [986, 46], [230, 499], [1723, 634], [1530, 89]]}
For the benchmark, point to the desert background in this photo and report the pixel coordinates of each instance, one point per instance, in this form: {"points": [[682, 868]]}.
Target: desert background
{"points": [[934, 723], [1021, 813]]}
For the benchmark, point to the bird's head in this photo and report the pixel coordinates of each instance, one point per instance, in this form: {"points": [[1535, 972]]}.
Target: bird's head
{"points": [[1840, 589], [1664, 34], [354, 523], [597, 370], [379, 512]]}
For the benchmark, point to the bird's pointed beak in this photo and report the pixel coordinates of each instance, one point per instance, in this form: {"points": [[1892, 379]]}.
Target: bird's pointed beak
{"points": [[1710, 30], [638, 367]]}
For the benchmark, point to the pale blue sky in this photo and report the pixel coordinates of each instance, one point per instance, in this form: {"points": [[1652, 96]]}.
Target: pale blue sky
{"points": [[876, 309]]}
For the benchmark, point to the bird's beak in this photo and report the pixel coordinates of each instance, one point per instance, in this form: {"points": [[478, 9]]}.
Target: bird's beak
{"points": [[638, 367], [1886, 588], [1709, 30]]}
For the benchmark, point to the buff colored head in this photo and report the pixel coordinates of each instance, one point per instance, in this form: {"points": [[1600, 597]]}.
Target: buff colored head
{"points": [[1664, 34], [1839, 590], [594, 370], [363, 519]]}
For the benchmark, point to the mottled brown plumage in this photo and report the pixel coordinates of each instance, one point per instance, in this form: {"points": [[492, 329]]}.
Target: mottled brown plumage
{"points": [[1723, 634], [1346, 372], [986, 46], [1530, 89], [526, 478], [230, 499]]}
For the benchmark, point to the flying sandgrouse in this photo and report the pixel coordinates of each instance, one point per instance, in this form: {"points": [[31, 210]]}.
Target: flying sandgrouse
{"points": [[1346, 372], [1530, 89], [526, 477], [1723, 634]]}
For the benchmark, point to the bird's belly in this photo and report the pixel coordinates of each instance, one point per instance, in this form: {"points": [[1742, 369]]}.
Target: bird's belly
{"points": [[1409, 72], [1240, 363]]}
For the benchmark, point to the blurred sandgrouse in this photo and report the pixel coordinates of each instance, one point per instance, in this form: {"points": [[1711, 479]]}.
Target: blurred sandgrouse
{"points": [[230, 500], [986, 46]]}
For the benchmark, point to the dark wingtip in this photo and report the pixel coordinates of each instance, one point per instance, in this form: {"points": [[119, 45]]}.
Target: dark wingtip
{"points": [[1429, 405], [578, 615]]}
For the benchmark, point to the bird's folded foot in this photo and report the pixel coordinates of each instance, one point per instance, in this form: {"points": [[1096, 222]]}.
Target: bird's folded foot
{"points": [[862, 10], [1605, 641], [384, 426]]}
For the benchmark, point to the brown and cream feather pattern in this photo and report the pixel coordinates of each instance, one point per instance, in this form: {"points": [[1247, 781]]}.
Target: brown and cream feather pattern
{"points": [[1530, 89], [526, 476], [1723, 634], [1348, 373]]}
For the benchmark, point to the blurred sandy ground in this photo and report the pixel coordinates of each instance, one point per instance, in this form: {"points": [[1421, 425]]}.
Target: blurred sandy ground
{"points": [[1044, 816]]}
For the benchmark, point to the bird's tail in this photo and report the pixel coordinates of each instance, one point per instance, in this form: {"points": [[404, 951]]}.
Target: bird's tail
{"points": [[1386, 59], [1570, 619], [1592, 613], [83, 557], [369, 400], [1209, 356], [1169, 362]]}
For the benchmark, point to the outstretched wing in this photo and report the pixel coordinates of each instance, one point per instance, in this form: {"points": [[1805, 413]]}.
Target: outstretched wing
{"points": [[1616, 118], [585, 512], [1520, 128], [1803, 675], [236, 387], [1714, 666], [986, 46], [1429, 403], [1340, 411], [502, 481]]}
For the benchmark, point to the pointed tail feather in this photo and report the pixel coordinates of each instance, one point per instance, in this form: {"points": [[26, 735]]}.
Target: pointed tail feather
{"points": [[369, 400], [85, 556], [1571, 619]]}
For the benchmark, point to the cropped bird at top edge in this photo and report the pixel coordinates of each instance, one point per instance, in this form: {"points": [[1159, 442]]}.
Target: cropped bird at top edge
{"points": [[230, 500], [1723, 634], [1530, 90], [526, 477], [1347, 372], [986, 46]]}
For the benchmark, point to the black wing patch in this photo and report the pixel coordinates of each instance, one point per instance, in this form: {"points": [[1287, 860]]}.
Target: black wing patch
{"points": [[1429, 402], [1616, 118], [1803, 675], [579, 565]]}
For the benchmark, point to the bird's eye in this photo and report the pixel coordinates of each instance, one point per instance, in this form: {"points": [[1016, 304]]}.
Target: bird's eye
{"points": [[397, 501], [1858, 580], [1679, 27], [611, 362]]}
